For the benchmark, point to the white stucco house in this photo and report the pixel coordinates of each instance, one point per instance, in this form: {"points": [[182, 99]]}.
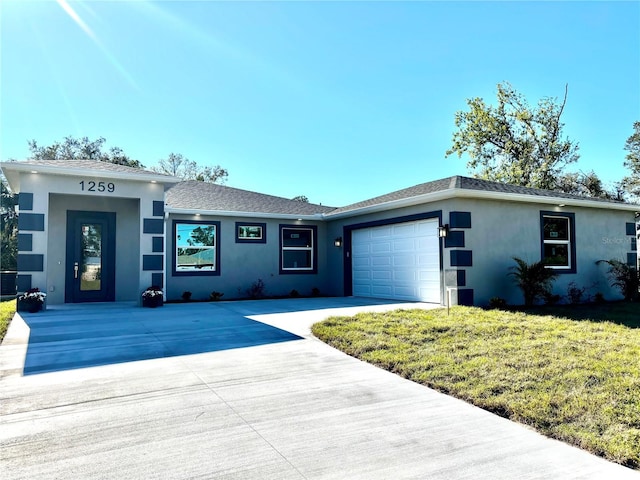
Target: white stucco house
{"points": [[98, 232]]}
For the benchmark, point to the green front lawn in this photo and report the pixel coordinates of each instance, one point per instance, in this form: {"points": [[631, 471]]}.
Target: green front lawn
{"points": [[7, 309], [576, 380]]}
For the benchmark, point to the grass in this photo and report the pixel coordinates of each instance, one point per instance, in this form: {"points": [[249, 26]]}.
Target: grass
{"points": [[575, 379], [7, 309]]}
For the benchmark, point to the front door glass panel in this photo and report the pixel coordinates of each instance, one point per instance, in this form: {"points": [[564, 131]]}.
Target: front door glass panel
{"points": [[91, 261]]}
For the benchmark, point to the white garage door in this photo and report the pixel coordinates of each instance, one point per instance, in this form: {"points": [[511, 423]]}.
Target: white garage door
{"points": [[399, 261]]}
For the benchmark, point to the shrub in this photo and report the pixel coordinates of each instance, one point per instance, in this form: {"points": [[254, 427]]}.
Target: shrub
{"points": [[256, 290], [533, 279], [575, 294], [497, 303], [622, 276], [551, 298], [215, 296], [598, 297], [186, 296], [294, 293], [315, 292]]}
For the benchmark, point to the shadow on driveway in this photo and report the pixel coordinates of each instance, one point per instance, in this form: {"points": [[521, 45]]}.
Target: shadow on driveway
{"points": [[103, 334]]}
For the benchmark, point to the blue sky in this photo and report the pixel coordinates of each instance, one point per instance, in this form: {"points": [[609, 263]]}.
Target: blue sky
{"points": [[338, 101]]}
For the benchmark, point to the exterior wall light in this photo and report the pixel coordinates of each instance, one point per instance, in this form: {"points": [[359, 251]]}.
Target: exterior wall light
{"points": [[443, 230], [338, 242]]}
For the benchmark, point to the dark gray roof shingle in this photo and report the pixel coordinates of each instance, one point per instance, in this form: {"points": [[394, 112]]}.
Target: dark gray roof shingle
{"points": [[193, 195], [461, 183]]}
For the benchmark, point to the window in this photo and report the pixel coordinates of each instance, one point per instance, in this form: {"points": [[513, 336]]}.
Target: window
{"points": [[558, 243], [196, 250], [251, 232], [298, 249]]}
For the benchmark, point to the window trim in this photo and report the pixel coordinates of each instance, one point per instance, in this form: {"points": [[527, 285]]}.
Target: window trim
{"points": [[313, 249], [174, 249], [571, 242]]}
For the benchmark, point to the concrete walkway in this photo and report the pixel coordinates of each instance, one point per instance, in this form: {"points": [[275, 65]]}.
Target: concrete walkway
{"points": [[284, 407]]}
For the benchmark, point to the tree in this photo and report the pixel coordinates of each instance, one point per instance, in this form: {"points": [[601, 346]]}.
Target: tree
{"points": [[301, 198], [513, 142], [588, 185], [8, 228], [81, 149], [631, 183], [179, 166]]}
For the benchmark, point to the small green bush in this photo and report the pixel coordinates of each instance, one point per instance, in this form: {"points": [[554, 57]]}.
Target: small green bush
{"points": [[575, 294], [256, 290], [497, 303], [186, 296], [215, 296]]}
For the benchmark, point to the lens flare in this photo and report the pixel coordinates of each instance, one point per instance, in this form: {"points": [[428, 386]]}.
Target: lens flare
{"points": [[86, 29]]}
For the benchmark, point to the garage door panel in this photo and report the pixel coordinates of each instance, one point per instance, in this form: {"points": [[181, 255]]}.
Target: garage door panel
{"points": [[384, 247], [379, 261], [384, 291], [404, 276], [381, 275], [405, 245], [379, 232], [402, 261]]}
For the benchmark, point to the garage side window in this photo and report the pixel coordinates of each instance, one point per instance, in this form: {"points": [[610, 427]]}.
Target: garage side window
{"points": [[196, 248], [558, 242], [298, 249]]}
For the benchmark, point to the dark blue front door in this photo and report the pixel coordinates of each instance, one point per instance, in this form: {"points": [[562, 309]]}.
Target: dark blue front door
{"points": [[90, 264]]}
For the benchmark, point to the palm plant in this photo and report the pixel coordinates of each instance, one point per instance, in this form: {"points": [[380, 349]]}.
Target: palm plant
{"points": [[624, 277], [534, 279]]}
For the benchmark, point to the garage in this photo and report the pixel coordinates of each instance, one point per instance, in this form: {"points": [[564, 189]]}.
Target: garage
{"points": [[399, 261]]}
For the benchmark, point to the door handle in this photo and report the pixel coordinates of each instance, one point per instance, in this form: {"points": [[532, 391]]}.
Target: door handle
{"points": [[75, 270]]}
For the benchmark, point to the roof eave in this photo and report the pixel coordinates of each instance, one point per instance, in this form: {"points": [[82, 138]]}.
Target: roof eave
{"points": [[481, 194], [557, 201], [393, 204], [230, 213], [83, 172]]}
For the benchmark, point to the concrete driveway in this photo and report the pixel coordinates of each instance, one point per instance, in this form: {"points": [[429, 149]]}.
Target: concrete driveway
{"points": [[240, 390]]}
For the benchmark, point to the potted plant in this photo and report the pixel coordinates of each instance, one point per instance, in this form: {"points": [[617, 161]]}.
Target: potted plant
{"points": [[152, 297], [31, 300]]}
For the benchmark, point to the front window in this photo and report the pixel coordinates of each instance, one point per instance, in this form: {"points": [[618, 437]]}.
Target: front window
{"points": [[558, 249], [196, 247], [298, 249]]}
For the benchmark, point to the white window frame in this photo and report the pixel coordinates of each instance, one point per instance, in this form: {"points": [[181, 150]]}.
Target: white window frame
{"points": [[567, 242], [309, 248]]}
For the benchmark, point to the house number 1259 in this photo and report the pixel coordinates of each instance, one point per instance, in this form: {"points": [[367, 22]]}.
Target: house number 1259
{"points": [[92, 186]]}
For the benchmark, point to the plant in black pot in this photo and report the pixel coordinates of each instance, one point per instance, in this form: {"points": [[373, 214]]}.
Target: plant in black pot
{"points": [[31, 301], [152, 297]]}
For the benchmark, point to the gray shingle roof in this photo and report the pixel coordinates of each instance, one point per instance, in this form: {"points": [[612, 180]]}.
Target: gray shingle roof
{"points": [[212, 197], [461, 183], [91, 165]]}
